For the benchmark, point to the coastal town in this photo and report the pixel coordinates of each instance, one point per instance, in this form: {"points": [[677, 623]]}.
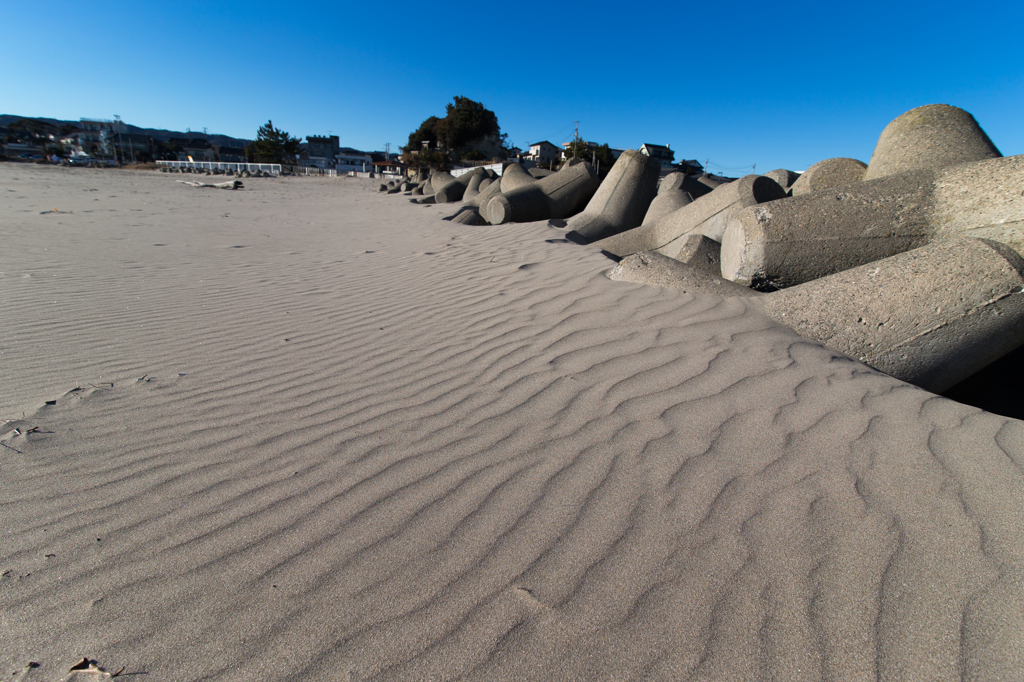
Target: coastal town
{"points": [[115, 142]]}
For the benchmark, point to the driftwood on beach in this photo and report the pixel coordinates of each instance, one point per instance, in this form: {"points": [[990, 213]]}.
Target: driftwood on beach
{"points": [[230, 184]]}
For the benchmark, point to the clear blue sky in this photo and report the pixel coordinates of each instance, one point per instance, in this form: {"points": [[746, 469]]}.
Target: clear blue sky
{"points": [[779, 84]]}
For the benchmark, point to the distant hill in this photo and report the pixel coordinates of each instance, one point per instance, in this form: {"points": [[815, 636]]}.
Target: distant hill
{"points": [[156, 133]]}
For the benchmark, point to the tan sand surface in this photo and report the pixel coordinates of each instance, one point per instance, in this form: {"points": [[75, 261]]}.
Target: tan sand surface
{"points": [[303, 431]]}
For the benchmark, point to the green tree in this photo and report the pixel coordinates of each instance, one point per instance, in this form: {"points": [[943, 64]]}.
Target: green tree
{"points": [[425, 133], [465, 123], [600, 155], [273, 145]]}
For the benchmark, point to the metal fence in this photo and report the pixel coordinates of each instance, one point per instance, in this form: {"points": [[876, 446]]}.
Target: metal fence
{"points": [[496, 167], [272, 168], [312, 170]]}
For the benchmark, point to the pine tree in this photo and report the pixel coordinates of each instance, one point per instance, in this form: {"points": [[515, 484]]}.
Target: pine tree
{"points": [[273, 145]]}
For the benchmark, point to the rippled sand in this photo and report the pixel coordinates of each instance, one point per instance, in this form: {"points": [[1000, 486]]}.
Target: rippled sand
{"points": [[306, 431]]}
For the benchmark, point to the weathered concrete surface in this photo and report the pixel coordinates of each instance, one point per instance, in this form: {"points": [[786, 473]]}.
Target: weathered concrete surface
{"points": [[802, 238], [473, 188], [468, 216], [492, 189], [513, 176], [657, 270], [931, 316], [668, 201], [439, 179], [784, 177], [707, 215], [454, 189], [927, 138], [829, 173], [560, 195], [710, 182], [622, 200], [539, 173], [700, 252]]}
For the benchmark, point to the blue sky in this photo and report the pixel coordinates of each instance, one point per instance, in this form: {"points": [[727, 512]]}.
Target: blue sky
{"points": [[776, 84]]}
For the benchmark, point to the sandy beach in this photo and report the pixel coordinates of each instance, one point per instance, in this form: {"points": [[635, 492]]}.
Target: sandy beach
{"points": [[304, 431]]}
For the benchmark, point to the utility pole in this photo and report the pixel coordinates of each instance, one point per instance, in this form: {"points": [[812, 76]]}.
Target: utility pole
{"points": [[576, 139], [117, 124], [387, 152]]}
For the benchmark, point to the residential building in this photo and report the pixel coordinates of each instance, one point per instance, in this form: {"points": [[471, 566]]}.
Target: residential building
{"points": [[197, 148], [95, 136], [691, 166], [544, 152], [662, 154], [229, 154], [322, 150], [349, 159]]}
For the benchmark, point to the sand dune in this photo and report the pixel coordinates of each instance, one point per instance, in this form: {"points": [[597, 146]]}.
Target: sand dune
{"points": [[303, 431]]}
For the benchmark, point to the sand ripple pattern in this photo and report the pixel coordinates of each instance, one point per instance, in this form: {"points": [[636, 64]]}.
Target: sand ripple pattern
{"points": [[328, 436]]}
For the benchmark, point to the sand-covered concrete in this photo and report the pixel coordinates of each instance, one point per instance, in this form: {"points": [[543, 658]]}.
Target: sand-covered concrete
{"points": [[302, 431]]}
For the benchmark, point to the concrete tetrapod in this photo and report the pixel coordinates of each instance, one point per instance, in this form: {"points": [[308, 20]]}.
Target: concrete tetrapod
{"points": [[473, 188], [707, 215], [559, 195], [803, 238], [784, 177], [454, 189], [484, 195], [928, 138], [622, 200], [931, 316], [829, 173], [668, 201], [650, 267]]}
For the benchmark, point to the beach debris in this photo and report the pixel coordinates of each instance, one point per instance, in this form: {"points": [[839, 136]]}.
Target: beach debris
{"points": [[54, 210], [89, 669], [230, 184]]}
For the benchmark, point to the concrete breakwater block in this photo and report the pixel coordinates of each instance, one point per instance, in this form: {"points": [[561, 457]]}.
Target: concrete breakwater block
{"points": [[454, 189], [623, 198], [707, 215], [485, 194], [928, 138], [654, 269], [560, 195], [469, 216], [702, 253], [829, 173], [931, 316], [473, 188], [668, 201], [802, 238], [784, 177], [438, 180]]}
